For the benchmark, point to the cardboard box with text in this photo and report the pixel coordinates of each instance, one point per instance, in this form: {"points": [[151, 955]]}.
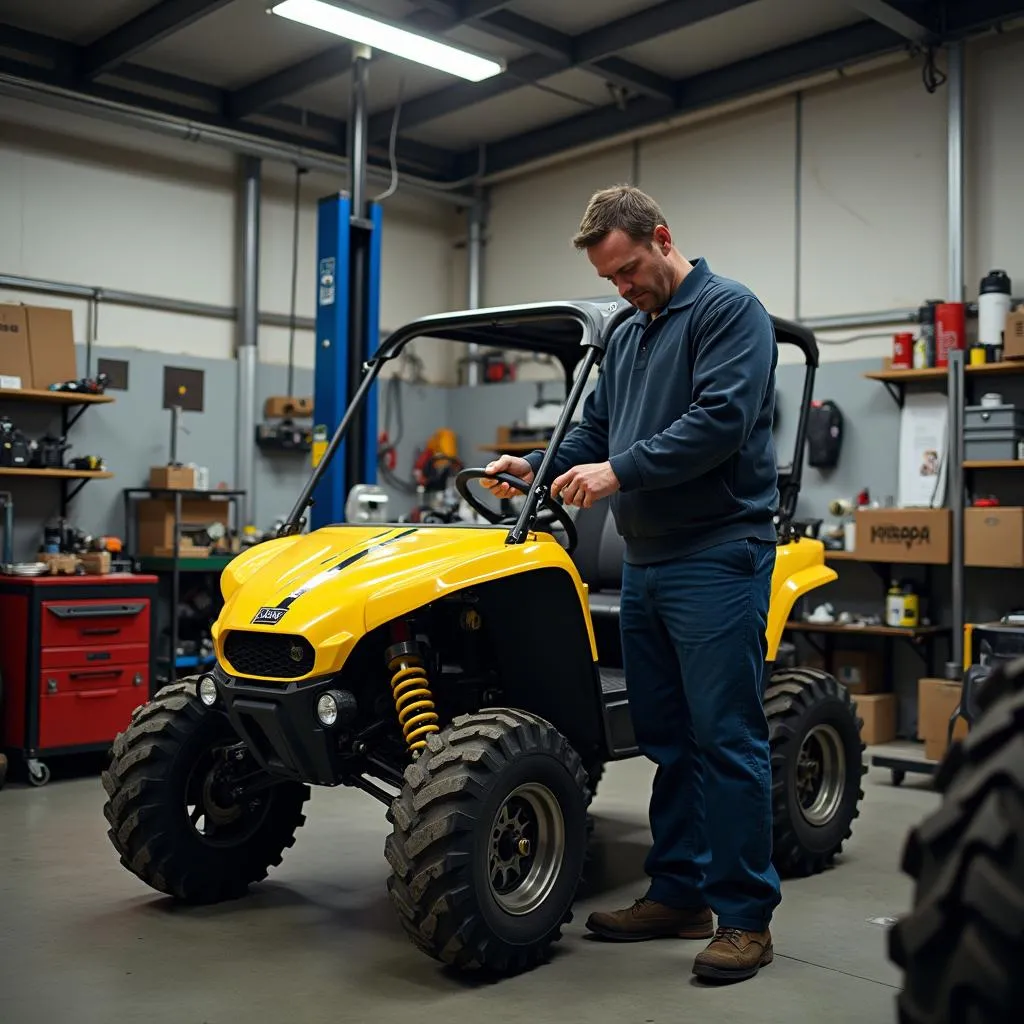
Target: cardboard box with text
{"points": [[914, 535], [15, 361]]}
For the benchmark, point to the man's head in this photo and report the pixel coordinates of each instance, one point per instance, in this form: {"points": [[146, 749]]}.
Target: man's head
{"points": [[629, 244]]}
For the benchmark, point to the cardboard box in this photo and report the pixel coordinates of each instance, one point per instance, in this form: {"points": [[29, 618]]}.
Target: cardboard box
{"points": [[937, 699], [282, 406], [51, 340], [859, 671], [878, 711], [1013, 335], [994, 536], [15, 360], [915, 535], [156, 524], [173, 478]]}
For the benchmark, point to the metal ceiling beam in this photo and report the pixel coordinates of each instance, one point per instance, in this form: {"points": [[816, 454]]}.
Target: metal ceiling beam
{"points": [[142, 31], [591, 51], [634, 29], [777, 67], [895, 16], [205, 105]]}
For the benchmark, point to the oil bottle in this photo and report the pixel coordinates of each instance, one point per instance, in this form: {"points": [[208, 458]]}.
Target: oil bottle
{"points": [[902, 606]]}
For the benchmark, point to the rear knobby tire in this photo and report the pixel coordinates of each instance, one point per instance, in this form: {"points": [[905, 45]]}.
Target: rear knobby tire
{"points": [[456, 810], [817, 764], [150, 782], [961, 947]]}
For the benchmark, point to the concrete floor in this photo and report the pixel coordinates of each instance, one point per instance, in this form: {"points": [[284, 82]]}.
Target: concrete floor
{"points": [[82, 940]]}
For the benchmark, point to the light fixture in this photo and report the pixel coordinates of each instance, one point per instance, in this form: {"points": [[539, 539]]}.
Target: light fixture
{"points": [[208, 691], [381, 34]]}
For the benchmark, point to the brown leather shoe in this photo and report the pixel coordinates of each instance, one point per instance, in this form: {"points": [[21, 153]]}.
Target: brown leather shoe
{"points": [[734, 955], [647, 919]]}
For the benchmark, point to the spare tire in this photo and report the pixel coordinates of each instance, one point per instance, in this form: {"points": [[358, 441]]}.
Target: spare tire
{"points": [[961, 947]]}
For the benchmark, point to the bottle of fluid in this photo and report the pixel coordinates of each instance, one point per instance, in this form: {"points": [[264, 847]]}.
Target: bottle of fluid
{"points": [[993, 306]]}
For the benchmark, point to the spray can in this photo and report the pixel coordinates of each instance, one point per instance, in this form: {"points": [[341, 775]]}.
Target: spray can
{"points": [[950, 330], [902, 608], [924, 348], [902, 351], [993, 308]]}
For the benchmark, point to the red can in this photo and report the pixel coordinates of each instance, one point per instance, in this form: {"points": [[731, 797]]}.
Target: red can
{"points": [[950, 330], [902, 351]]}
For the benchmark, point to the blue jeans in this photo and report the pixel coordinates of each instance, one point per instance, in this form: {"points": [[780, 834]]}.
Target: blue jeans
{"points": [[694, 649]]}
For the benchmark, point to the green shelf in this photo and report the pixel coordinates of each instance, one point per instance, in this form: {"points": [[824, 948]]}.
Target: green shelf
{"points": [[214, 563]]}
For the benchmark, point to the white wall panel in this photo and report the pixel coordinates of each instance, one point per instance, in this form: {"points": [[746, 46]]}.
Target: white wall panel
{"points": [[89, 203], [529, 254], [874, 195], [995, 161], [728, 191]]}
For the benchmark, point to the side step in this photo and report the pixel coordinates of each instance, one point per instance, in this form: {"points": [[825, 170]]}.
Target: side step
{"points": [[618, 723]]}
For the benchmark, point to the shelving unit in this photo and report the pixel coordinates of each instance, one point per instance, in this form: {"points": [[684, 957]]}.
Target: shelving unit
{"points": [[900, 759], [72, 405], [173, 567]]}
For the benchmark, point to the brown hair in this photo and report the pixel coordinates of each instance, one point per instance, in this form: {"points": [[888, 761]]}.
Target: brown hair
{"points": [[623, 207]]}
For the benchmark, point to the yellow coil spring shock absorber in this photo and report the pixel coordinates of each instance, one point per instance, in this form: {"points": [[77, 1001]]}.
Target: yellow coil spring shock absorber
{"points": [[411, 690]]}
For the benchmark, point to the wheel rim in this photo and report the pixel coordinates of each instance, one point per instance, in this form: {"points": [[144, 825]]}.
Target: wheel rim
{"points": [[820, 775], [526, 848], [214, 821]]}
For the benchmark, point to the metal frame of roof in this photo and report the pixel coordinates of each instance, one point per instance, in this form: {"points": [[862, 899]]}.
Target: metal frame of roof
{"points": [[638, 97]]}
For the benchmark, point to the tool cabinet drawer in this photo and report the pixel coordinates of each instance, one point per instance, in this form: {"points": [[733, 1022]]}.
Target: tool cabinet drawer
{"points": [[93, 657], [87, 717], [85, 680], [94, 622]]}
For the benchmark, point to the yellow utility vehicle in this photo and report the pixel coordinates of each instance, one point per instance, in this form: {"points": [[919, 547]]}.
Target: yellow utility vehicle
{"points": [[453, 672]]}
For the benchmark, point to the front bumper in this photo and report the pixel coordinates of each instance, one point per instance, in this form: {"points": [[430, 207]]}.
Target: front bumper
{"points": [[278, 723]]}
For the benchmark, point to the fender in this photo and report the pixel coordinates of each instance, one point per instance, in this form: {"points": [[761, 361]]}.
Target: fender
{"points": [[785, 596]]}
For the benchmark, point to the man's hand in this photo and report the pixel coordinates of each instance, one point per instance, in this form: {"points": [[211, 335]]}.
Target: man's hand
{"points": [[583, 485], [514, 466]]}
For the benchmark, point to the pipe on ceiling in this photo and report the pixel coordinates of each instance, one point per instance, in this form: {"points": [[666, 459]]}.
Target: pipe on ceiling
{"points": [[223, 138]]}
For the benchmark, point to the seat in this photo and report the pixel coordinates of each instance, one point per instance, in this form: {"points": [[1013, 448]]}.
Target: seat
{"points": [[598, 558]]}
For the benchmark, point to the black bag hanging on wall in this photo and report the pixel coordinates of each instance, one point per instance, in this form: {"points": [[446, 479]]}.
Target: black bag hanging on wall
{"points": [[824, 434]]}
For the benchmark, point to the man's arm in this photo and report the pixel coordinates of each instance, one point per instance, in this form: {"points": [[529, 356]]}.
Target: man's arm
{"points": [[587, 441], [731, 375]]}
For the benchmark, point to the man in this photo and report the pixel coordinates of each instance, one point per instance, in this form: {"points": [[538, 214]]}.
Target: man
{"points": [[678, 434]]}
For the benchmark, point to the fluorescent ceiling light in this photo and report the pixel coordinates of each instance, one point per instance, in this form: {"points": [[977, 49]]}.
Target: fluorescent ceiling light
{"points": [[383, 35]]}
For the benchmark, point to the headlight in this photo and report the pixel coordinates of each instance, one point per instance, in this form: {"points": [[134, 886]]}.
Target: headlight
{"points": [[336, 707], [208, 691], [327, 709]]}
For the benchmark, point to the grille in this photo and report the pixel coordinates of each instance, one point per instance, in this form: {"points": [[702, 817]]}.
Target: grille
{"points": [[269, 655]]}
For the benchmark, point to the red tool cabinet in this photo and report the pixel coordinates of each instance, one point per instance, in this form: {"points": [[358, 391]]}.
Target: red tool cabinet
{"points": [[76, 658]]}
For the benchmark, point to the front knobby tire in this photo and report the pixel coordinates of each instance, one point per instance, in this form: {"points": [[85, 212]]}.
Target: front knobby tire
{"points": [[489, 841], [166, 821], [961, 947], [817, 764]]}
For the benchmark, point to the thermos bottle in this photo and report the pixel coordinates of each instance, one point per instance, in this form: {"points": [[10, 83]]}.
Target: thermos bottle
{"points": [[993, 307]]}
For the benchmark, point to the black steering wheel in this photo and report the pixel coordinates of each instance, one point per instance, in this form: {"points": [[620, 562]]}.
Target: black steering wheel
{"points": [[550, 510]]}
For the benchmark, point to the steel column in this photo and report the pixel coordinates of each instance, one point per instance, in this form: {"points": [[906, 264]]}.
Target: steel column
{"points": [[357, 120], [955, 143], [248, 328], [474, 269], [955, 461]]}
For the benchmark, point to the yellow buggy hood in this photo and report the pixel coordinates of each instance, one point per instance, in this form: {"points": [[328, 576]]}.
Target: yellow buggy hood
{"points": [[336, 584]]}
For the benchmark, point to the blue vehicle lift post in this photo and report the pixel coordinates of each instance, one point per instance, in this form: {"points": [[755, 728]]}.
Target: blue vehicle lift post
{"points": [[347, 318]]}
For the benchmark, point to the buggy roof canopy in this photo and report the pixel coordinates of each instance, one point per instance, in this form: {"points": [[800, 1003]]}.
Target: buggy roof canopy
{"points": [[562, 329]]}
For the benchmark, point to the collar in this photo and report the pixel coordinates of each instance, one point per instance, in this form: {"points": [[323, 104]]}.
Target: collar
{"points": [[685, 295]]}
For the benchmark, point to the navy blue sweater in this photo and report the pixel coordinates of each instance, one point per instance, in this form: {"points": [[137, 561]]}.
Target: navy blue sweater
{"points": [[683, 409]]}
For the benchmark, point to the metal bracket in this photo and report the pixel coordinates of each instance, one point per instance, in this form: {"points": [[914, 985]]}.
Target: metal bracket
{"points": [[896, 390]]}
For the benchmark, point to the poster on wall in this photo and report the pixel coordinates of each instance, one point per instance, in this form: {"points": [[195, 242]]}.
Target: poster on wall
{"points": [[924, 444]]}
